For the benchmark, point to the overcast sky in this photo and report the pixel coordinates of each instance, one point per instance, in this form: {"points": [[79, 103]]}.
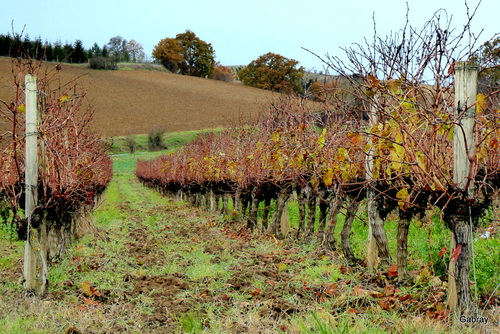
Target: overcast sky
{"points": [[239, 31]]}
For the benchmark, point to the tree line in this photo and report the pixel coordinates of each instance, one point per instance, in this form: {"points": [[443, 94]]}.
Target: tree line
{"points": [[117, 49]]}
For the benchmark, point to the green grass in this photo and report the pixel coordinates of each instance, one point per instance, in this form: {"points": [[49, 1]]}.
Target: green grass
{"points": [[176, 240], [172, 140]]}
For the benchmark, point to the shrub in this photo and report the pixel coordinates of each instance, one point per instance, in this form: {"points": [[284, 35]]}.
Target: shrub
{"points": [[223, 73], [155, 140], [130, 143], [103, 63]]}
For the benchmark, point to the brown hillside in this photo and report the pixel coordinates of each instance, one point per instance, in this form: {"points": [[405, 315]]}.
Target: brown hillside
{"points": [[136, 101]]}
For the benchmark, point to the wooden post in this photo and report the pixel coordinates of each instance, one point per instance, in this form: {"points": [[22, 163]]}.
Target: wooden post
{"points": [[460, 219], [35, 268]]}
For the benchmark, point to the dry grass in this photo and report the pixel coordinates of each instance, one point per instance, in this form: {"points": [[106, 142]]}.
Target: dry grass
{"points": [[136, 101]]}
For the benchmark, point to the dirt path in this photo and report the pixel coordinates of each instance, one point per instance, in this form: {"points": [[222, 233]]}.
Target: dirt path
{"points": [[197, 270]]}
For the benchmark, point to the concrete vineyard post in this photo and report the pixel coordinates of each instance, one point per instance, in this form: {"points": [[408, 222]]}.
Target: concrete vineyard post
{"points": [[35, 268], [460, 219]]}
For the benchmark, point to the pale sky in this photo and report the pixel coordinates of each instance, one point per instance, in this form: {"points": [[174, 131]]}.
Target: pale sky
{"points": [[239, 31]]}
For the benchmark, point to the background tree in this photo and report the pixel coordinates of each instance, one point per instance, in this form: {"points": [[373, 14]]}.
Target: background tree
{"points": [[169, 53], [186, 54], [274, 72], [94, 51], [48, 51], [117, 47], [198, 55], [79, 55], [488, 57], [58, 51], [67, 52], [135, 50]]}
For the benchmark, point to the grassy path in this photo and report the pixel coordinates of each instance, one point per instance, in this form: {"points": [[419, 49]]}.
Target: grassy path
{"points": [[150, 264]]}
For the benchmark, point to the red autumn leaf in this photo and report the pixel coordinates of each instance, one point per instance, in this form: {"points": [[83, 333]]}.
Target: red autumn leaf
{"points": [[442, 252], [455, 252], [494, 143], [392, 271]]}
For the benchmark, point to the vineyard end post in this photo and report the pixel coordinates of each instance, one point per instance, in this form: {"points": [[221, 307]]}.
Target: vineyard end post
{"points": [[35, 269]]}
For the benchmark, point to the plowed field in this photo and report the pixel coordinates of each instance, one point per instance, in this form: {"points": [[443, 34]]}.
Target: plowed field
{"points": [[136, 101]]}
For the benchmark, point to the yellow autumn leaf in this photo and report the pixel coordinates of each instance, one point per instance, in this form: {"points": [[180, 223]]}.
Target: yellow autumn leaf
{"points": [[21, 108], [421, 160], [321, 139], [394, 86], [328, 177], [342, 154], [64, 98], [375, 172], [481, 103], [403, 197], [86, 288]]}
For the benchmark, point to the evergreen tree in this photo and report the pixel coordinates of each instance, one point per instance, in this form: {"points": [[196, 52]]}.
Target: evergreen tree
{"points": [[79, 55]]}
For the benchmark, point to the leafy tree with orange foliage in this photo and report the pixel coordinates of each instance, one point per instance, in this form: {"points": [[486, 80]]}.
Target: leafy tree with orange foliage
{"points": [[186, 54], [274, 72], [169, 53]]}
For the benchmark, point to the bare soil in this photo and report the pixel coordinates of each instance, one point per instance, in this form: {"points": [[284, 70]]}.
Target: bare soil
{"points": [[129, 102]]}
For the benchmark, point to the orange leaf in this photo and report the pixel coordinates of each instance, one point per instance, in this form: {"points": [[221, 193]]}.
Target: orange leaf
{"points": [[95, 292], [352, 310], [442, 252], [374, 81], [82, 308], [392, 271], [87, 301], [255, 292]]}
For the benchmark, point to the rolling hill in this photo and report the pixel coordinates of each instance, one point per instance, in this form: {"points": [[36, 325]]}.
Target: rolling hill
{"points": [[136, 101]]}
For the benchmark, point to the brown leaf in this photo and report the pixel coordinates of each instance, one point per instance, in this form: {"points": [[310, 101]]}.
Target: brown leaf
{"points": [[72, 330], [345, 269], [95, 292], [384, 304], [358, 291], [353, 311], [82, 308], [87, 301], [390, 290], [273, 283]]}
